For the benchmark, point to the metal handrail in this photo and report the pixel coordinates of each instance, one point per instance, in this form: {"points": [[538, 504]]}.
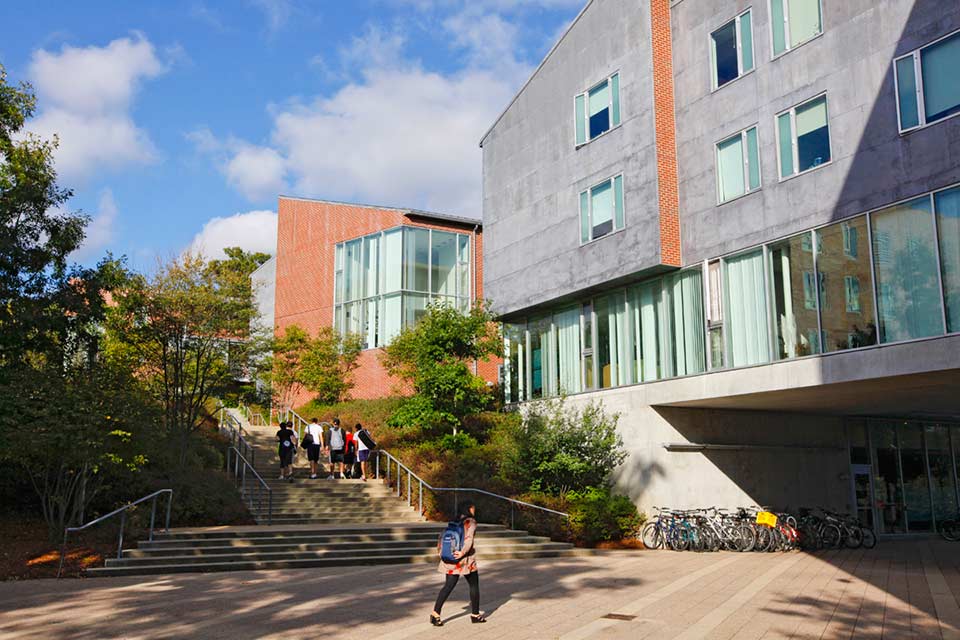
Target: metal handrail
{"points": [[455, 490], [123, 521], [236, 433], [255, 418], [240, 476]]}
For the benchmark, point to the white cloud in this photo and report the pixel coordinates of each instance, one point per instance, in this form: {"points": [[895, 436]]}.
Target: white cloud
{"points": [[85, 96], [395, 133], [100, 232], [251, 231], [277, 13], [257, 172]]}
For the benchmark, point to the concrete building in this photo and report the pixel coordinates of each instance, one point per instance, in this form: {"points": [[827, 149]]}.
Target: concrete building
{"points": [[737, 224], [371, 270]]}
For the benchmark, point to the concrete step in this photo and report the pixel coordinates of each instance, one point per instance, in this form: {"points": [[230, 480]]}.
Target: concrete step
{"points": [[356, 560], [256, 531], [317, 520], [294, 539]]}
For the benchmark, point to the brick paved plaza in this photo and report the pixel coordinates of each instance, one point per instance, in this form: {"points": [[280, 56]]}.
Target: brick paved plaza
{"points": [[902, 589]]}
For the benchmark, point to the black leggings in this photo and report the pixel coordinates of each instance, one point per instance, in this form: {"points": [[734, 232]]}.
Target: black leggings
{"points": [[473, 579]]}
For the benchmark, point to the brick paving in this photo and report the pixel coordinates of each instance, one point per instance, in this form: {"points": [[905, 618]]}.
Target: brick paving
{"points": [[901, 589]]}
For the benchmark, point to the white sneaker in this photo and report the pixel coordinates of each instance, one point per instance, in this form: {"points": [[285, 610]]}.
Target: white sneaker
{"points": [[313, 477], [282, 476], [330, 477]]}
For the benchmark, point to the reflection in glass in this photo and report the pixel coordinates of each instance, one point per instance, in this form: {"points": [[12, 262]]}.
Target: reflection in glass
{"points": [[843, 263], [948, 226], [794, 308], [908, 286], [916, 488], [514, 347], [443, 263], [944, 487], [542, 348], [416, 259], [725, 58], [887, 489]]}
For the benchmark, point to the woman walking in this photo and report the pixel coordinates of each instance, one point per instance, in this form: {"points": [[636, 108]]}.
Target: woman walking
{"points": [[286, 447], [465, 565]]}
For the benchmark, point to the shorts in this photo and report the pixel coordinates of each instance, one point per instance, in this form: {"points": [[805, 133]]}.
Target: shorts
{"points": [[336, 455], [313, 452], [286, 456], [349, 458], [363, 455]]}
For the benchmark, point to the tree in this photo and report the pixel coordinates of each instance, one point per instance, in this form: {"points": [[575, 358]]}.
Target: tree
{"points": [[322, 364], [232, 275], [180, 330], [435, 356]]}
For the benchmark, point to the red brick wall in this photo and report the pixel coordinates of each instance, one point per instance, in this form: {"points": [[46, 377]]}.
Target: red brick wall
{"points": [[308, 231], [665, 124]]}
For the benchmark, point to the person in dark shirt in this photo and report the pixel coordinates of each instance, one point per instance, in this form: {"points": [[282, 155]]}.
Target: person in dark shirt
{"points": [[287, 447]]}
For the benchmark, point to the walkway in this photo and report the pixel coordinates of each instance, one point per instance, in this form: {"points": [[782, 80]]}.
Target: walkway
{"points": [[904, 589]]}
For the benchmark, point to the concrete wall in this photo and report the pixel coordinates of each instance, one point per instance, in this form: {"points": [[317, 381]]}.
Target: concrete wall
{"points": [[264, 282], [533, 172], [789, 451], [873, 165]]}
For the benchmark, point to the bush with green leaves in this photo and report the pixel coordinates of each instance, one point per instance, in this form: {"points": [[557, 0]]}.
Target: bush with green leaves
{"points": [[596, 515], [561, 448]]}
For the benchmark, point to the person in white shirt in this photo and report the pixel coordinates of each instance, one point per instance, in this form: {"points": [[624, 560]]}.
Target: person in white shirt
{"points": [[336, 441], [313, 449], [365, 444]]}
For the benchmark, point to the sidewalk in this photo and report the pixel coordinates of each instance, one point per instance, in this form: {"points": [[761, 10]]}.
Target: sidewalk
{"points": [[902, 589]]}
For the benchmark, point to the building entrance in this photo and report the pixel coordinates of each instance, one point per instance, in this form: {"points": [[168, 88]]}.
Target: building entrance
{"points": [[904, 473]]}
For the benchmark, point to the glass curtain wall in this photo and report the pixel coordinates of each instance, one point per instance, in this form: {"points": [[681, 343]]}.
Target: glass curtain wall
{"points": [[794, 299], [685, 335], [384, 281], [514, 360], [746, 303], [947, 204], [567, 324], [645, 331], [846, 293]]}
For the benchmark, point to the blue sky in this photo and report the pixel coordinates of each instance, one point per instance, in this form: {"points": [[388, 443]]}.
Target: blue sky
{"points": [[181, 121]]}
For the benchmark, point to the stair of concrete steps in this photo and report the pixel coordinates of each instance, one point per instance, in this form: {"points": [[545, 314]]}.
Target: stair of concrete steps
{"points": [[279, 547]]}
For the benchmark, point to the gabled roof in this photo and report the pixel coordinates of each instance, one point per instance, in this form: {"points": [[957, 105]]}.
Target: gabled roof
{"points": [[536, 71], [433, 215]]}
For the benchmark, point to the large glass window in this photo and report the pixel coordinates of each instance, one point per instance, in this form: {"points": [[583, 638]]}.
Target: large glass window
{"points": [[794, 299], [843, 263], [928, 85], [905, 261], [916, 488], [685, 335], [731, 50], [515, 361], [645, 331], [944, 483], [887, 485], [794, 22], [601, 209], [947, 204], [738, 165], [384, 281], [598, 110], [803, 138], [746, 304], [567, 324], [613, 358], [542, 348]]}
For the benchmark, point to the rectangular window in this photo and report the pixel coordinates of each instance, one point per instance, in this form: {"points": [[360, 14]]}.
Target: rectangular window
{"points": [[850, 237], [416, 259], [837, 263], [685, 335], [908, 287], [601, 209], [715, 314], [851, 287], [928, 84], [803, 139], [794, 22], [738, 165], [809, 291], [948, 227], [586, 338], [597, 110], [645, 331], [731, 50], [794, 298], [746, 309]]}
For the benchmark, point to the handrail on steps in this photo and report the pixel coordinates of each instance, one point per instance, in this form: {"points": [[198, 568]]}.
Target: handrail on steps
{"points": [[232, 426], [391, 459], [123, 521], [240, 476]]}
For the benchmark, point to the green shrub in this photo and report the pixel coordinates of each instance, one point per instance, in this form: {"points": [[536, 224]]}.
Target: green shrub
{"points": [[201, 497], [597, 516], [456, 443]]}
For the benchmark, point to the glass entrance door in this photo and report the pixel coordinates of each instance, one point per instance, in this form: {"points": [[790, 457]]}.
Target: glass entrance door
{"points": [[887, 480], [863, 493]]}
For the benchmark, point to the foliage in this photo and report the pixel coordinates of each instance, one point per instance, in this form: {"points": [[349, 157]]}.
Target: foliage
{"points": [[232, 274], [201, 497], [596, 515], [373, 414], [321, 364], [435, 356], [562, 448], [181, 332], [456, 442]]}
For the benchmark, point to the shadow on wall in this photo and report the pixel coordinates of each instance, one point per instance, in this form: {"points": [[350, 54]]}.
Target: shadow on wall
{"points": [[782, 460]]}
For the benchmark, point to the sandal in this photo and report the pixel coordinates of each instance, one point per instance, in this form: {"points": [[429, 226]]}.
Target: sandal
{"points": [[477, 619], [436, 621]]}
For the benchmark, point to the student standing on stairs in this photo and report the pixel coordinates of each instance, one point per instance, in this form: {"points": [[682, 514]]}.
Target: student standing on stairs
{"points": [[349, 453], [337, 442], [364, 445], [287, 446], [464, 564], [313, 449]]}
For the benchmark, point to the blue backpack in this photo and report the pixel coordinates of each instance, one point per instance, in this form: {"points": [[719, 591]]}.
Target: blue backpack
{"points": [[450, 541]]}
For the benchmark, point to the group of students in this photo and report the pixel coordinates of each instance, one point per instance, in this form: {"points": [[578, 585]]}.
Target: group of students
{"points": [[345, 448]]}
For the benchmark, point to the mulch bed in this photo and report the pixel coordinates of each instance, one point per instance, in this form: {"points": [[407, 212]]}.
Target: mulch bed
{"points": [[27, 553]]}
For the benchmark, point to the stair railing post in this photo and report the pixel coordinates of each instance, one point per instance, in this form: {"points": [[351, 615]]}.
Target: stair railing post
{"points": [[123, 521], [153, 516], [270, 507], [409, 480], [398, 478], [388, 472], [456, 502], [420, 501], [511, 517], [377, 471], [166, 527]]}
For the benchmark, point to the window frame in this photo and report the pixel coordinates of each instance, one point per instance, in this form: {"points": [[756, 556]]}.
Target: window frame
{"points": [[585, 94], [745, 152], [793, 137], [753, 50], [786, 33], [918, 76], [613, 220]]}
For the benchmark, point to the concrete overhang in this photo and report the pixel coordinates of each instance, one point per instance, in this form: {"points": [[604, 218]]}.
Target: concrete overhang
{"points": [[912, 379]]}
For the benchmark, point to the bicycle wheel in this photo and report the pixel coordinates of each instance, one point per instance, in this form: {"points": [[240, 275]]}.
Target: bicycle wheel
{"points": [[652, 536], [749, 536], [950, 530], [830, 536], [677, 539], [869, 537], [853, 537]]}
